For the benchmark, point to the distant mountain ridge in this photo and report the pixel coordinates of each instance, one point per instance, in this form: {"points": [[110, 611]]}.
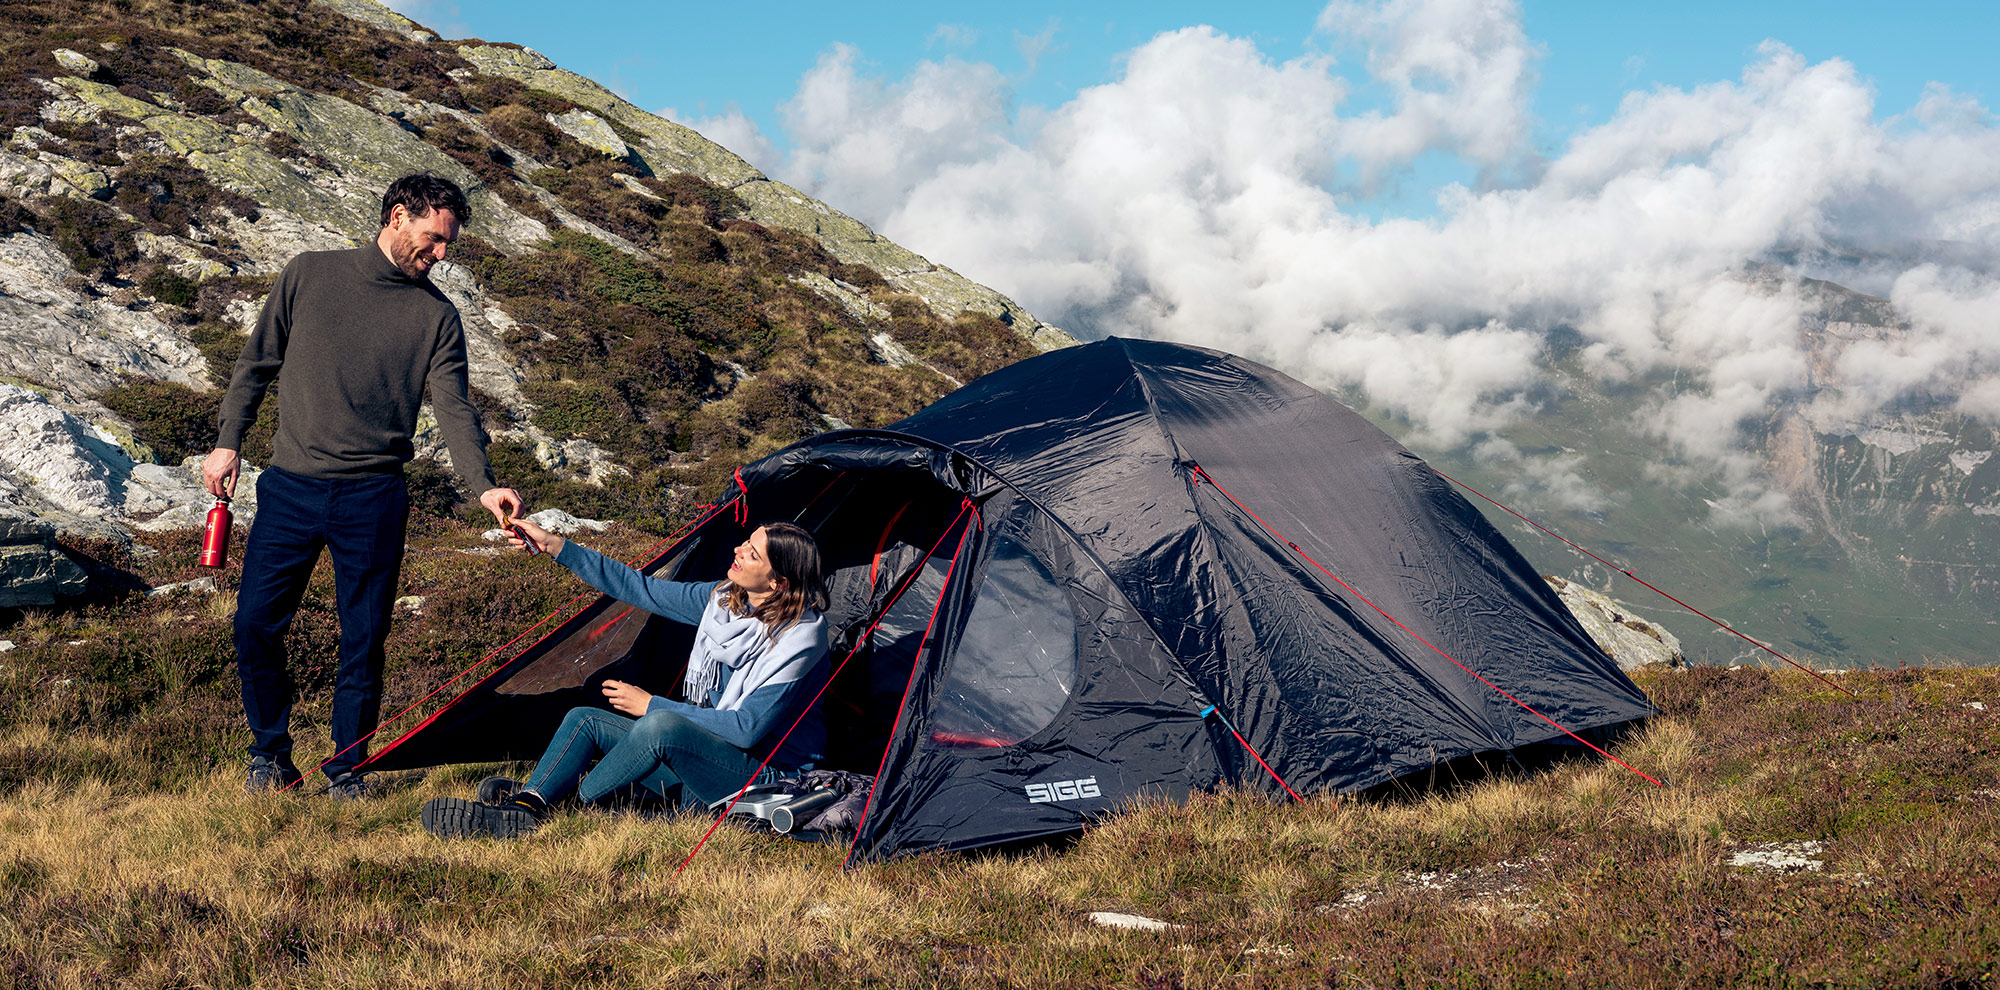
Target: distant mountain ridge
{"points": [[1895, 554]]}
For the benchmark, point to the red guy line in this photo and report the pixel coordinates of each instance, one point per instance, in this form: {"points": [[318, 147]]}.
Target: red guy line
{"points": [[859, 642], [869, 804], [1253, 751], [1350, 590], [502, 648], [1719, 623]]}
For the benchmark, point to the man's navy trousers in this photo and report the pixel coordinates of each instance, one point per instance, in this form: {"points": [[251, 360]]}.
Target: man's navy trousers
{"points": [[361, 521]]}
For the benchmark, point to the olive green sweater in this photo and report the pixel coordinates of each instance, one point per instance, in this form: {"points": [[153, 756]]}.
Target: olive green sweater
{"points": [[357, 341]]}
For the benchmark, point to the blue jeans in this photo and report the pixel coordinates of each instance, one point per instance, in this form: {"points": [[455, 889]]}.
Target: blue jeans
{"points": [[657, 751], [361, 521]]}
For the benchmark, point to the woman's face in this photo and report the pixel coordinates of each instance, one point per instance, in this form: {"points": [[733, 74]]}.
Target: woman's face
{"points": [[751, 569]]}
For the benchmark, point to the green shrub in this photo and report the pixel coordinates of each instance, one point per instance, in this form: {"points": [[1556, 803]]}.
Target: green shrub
{"points": [[96, 239], [176, 421], [577, 409], [859, 276], [168, 287], [220, 345], [640, 499], [780, 408], [588, 188], [714, 203], [167, 196], [691, 243], [216, 294], [15, 217], [434, 491], [490, 162]]}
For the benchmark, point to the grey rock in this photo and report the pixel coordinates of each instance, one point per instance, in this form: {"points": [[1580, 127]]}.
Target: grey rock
{"points": [[1630, 640], [895, 355], [200, 584], [75, 63], [76, 477], [1132, 922], [591, 130], [845, 296], [37, 575], [70, 466], [17, 526], [74, 345], [21, 176], [555, 521], [370, 12], [368, 149]]}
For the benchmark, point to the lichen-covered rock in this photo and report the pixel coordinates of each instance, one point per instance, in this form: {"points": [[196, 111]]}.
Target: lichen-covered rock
{"points": [[1632, 641], [78, 346], [314, 164], [75, 62], [370, 12], [370, 150], [76, 476], [21, 177], [37, 574], [590, 130]]}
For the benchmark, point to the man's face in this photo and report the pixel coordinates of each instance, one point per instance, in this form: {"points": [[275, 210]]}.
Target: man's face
{"points": [[416, 243]]}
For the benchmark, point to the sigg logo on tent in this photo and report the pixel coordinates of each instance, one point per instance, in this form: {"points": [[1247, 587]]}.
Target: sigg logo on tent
{"points": [[1063, 790]]}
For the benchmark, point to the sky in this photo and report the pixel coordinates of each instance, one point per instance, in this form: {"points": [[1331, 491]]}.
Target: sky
{"points": [[1412, 198]]}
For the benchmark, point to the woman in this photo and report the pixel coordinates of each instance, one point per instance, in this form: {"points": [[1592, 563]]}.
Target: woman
{"points": [[759, 654]]}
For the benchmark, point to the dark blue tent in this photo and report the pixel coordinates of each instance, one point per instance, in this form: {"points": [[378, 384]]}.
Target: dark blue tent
{"points": [[1121, 569]]}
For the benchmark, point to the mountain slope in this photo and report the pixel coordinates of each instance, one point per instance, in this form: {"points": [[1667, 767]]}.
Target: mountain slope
{"points": [[643, 309]]}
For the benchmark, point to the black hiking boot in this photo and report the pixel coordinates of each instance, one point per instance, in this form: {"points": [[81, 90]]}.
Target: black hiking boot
{"points": [[267, 774], [351, 786], [496, 790], [456, 818]]}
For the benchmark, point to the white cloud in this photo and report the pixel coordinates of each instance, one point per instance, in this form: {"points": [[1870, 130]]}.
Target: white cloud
{"points": [[1033, 46], [1460, 70], [733, 130], [953, 36], [1200, 196]]}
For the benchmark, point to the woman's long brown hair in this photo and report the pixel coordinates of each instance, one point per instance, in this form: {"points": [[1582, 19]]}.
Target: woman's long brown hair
{"points": [[794, 556]]}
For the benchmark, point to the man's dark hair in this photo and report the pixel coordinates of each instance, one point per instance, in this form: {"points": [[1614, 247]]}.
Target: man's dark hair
{"points": [[423, 192]]}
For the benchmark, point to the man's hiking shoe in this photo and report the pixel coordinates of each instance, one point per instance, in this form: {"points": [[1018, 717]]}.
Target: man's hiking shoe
{"points": [[496, 790], [267, 774], [456, 818], [350, 786]]}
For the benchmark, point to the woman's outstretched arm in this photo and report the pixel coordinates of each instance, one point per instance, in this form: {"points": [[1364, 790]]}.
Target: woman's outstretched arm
{"points": [[681, 601]]}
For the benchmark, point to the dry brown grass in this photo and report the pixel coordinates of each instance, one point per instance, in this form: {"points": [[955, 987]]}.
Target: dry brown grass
{"points": [[129, 856]]}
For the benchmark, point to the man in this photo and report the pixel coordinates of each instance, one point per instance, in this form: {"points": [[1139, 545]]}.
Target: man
{"points": [[358, 334]]}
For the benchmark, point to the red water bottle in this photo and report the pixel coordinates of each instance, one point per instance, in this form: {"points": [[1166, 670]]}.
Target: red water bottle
{"points": [[215, 539]]}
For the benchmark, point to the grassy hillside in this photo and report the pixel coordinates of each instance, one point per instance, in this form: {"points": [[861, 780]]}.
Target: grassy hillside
{"points": [[129, 855]]}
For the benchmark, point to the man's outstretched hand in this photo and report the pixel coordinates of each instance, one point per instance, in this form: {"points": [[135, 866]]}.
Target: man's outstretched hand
{"points": [[219, 470], [504, 503], [545, 541]]}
